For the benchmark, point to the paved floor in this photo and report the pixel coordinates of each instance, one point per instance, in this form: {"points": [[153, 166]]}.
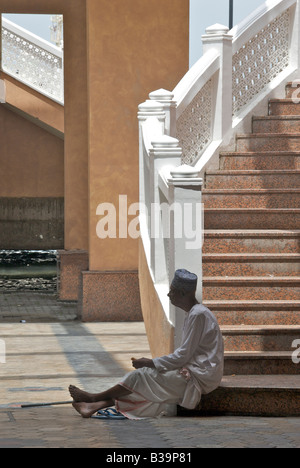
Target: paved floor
{"points": [[35, 307], [51, 350]]}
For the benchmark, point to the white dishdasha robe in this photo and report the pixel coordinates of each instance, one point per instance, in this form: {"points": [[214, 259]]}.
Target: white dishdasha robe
{"points": [[180, 378]]}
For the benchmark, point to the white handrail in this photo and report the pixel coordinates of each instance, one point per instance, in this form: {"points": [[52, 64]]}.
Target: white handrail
{"points": [[246, 63], [239, 70], [31, 37], [195, 79], [256, 21], [32, 61]]}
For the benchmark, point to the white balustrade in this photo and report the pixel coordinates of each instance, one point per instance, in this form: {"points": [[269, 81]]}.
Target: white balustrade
{"points": [[32, 60], [237, 70], [182, 131]]}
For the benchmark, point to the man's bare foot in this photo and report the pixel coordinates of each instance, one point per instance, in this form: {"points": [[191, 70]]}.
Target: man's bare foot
{"points": [[86, 410], [79, 396]]}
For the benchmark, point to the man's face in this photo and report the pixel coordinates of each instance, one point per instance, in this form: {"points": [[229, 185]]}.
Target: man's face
{"points": [[175, 296]]}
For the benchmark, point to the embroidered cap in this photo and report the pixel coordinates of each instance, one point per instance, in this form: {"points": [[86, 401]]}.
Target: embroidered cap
{"points": [[185, 280]]}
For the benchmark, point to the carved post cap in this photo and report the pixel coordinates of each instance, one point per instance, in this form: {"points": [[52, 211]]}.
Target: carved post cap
{"points": [[161, 95], [217, 29], [165, 141], [151, 109], [184, 172]]}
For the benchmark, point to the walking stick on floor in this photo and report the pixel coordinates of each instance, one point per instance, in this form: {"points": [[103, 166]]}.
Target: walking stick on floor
{"points": [[54, 403]]}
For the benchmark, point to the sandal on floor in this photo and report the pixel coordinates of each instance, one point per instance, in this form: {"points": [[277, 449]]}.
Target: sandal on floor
{"points": [[109, 413]]}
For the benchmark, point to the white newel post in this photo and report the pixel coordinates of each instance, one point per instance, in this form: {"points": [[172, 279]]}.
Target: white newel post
{"points": [[165, 151], [217, 38], [185, 249], [151, 117], [166, 98]]}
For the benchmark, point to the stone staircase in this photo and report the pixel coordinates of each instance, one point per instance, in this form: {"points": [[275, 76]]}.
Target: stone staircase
{"points": [[251, 264]]}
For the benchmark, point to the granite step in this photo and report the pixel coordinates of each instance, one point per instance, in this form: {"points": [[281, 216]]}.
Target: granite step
{"points": [[269, 160], [253, 395], [257, 288], [255, 198], [260, 363], [251, 241], [252, 218], [276, 124], [245, 264], [255, 312], [251, 276], [256, 179], [268, 142], [288, 106], [260, 337]]}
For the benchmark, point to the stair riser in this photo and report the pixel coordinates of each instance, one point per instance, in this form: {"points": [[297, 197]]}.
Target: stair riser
{"points": [[250, 220], [276, 126], [252, 402], [263, 200], [267, 143], [257, 317], [267, 342], [248, 292], [248, 366], [260, 162], [238, 268], [284, 108], [249, 181], [250, 245]]}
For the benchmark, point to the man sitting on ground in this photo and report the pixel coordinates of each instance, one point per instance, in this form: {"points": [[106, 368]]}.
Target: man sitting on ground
{"points": [[195, 368]]}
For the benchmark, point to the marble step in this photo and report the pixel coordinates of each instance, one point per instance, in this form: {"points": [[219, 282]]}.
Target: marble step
{"points": [[268, 160], [251, 241], [245, 264], [253, 395], [255, 198], [252, 179], [268, 142], [251, 288], [288, 106], [260, 362], [276, 124], [252, 218], [260, 337], [255, 312]]}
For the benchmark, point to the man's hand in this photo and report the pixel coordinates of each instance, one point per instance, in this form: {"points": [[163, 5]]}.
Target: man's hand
{"points": [[142, 362]]}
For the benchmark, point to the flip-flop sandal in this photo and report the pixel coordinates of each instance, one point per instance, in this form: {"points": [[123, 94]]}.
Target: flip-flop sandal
{"points": [[109, 413]]}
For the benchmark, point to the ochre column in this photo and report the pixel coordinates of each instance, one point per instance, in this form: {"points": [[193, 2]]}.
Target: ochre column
{"points": [[75, 256], [134, 47]]}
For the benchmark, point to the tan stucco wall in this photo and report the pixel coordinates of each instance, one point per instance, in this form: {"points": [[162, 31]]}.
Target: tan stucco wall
{"points": [[134, 47], [76, 112], [116, 52], [159, 331], [33, 104], [31, 159]]}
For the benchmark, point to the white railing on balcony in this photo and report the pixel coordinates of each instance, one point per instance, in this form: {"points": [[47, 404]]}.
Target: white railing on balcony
{"points": [[32, 60], [238, 72]]}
